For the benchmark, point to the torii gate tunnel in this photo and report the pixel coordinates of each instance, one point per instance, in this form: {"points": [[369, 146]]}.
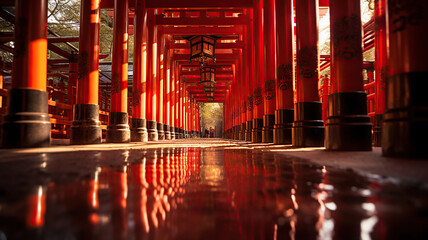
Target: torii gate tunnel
{"points": [[268, 74]]}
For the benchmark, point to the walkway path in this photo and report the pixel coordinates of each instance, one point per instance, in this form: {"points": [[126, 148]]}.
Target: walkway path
{"points": [[209, 189]]}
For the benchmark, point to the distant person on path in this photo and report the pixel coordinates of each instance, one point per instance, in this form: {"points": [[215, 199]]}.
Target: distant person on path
{"points": [[211, 132], [206, 135]]}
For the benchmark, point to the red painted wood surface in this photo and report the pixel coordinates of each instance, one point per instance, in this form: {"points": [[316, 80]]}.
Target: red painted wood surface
{"points": [[87, 82], [119, 84], [140, 62], [248, 51], [269, 48], [307, 50], [151, 67], [346, 46], [30, 60], [381, 61], [285, 71], [258, 59]]}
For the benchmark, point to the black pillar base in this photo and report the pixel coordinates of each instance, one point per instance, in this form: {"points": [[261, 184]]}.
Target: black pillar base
{"points": [[308, 127], [86, 126], [377, 130], [161, 132], [405, 120], [167, 132], [152, 130], [177, 133], [348, 127], [139, 130], [249, 126], [26, 123], [172, 132], [257, 130], [284, 119], [267, 130], [118, 128], [242, 129], [236, 132]]}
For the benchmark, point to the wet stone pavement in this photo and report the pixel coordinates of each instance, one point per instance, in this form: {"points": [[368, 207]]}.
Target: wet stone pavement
{"points": [[200, 193]]}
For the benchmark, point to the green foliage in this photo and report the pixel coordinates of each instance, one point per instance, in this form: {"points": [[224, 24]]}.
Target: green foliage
{"points": [[64, 19], [211, 115], [106, 35]]}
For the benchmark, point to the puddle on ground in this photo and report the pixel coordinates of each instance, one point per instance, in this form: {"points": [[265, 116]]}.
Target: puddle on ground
{"points": [[194, 193]]}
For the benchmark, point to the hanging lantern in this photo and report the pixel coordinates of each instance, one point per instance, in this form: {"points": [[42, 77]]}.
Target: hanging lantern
{"points": [[208, 76], [210, 96], [202, 47], [209, 89]]}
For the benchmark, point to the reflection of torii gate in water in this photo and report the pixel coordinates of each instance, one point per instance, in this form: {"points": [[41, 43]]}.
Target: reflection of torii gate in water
{"points": [[270, 95]]}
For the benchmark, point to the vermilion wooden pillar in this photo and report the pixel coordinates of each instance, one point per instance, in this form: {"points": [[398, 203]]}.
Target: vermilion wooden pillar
{"points": [[243, 91], [232, 104], [198, 123], [180, 107], [72, 81], [167, 92], [86, 127], [308, 127], [186, 111], [189, 116], [177, 101], [192, 117], [189, 119], [248, 53], [118, 128], [347, 126], [160, 82], [381, 69], [173, 97], [139, 121], [225, 119], [269, 46], [259, 72], [284, 113], [405, 124], [236, 101], [227, 116], [26, 123], [242, 96], [71, 86], [183, 111], [151, 77]]}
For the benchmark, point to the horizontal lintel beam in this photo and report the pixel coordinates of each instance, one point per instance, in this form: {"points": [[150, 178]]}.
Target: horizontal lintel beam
{"points": [[201, 21]]}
